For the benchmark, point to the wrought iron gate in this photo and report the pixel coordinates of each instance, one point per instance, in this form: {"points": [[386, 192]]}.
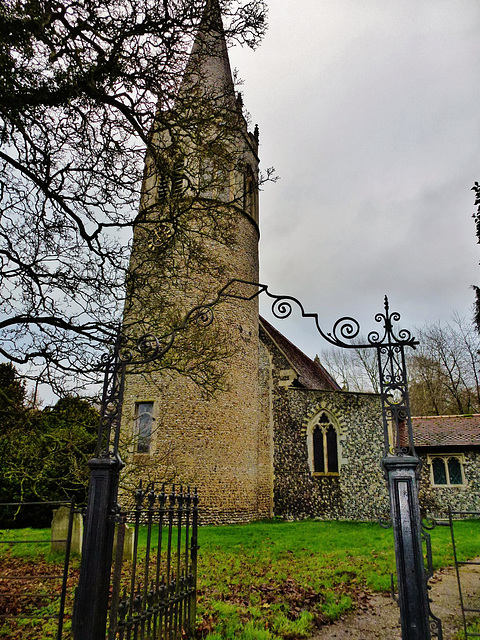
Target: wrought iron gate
{"points": [[155, 567], [401, 466]]}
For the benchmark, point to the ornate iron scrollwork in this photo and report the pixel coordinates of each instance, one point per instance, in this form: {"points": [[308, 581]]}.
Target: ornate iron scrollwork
{"points": [[388, 343]]}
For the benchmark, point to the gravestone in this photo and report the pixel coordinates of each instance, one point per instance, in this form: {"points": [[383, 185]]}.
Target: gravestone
{"points": [[127, 543], [59, 532]]}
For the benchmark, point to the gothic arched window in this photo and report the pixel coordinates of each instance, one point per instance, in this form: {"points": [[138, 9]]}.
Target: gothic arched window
{"points": [[318, 451], [323, 447]]}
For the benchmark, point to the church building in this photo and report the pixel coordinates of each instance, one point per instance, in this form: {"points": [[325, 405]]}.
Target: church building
{"points": [[279, 438]]}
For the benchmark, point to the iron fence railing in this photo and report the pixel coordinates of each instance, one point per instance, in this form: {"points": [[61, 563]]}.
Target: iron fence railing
{"points": [[155, 567], [33, 595]]}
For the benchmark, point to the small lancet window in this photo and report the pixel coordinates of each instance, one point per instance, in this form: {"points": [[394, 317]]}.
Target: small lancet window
{"points": [[144, 426], [318, 451], [177, 177], [439, 475], [170, 183], [249, 193], [455, 471]]}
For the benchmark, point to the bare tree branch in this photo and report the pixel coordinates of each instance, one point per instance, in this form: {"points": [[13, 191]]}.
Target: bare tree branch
{"points": [[88, 90]]}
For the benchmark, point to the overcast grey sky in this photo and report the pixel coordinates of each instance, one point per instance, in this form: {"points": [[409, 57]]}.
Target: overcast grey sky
{"points": [[369, 111]]}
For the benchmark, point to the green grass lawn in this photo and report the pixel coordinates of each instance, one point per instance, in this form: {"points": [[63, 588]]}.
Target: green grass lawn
{"points": [[270, 580], [280, 580]]}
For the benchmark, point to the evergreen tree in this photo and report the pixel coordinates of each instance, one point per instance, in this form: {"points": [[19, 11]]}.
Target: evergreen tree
{"points": [[43, 454]]}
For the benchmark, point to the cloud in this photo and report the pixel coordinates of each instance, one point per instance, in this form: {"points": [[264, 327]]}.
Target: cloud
{"points": [[369, 111]]}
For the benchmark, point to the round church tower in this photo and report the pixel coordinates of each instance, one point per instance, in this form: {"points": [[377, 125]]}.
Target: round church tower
{"points": [[194, 418]]}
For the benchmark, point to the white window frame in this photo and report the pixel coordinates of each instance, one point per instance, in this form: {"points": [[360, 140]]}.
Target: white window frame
{"points": [[446, 457]]}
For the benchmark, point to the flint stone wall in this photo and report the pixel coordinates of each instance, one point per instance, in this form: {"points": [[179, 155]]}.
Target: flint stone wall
{"points": [[359, 492]]}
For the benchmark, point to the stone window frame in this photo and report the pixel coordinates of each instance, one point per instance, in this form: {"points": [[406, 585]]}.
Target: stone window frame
{"points": [[143, 444], [333, 422], [445, 457]]}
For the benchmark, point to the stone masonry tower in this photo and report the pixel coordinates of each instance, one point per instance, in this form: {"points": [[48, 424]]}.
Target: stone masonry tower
{"points": [[204, 181]]}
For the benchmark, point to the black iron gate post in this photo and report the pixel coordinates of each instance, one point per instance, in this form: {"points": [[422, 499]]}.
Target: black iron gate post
{"points": [[402, 471], [401, 475], [91, 598]]}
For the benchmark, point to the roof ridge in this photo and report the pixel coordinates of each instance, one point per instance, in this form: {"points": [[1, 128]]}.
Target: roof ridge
{"points": [[454, 415], [320, 369]]}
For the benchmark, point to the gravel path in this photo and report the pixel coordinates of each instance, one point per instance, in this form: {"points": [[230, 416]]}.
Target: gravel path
{"points": [[380, 620]]}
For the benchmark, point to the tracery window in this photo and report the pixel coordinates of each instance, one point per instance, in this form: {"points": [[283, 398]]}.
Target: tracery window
{"points": [[447, 470], [324, 449], [143, 426]]}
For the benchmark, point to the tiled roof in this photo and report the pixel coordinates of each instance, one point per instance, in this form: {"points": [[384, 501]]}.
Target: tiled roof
{"points": [[311, 375], [446, 431]]}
